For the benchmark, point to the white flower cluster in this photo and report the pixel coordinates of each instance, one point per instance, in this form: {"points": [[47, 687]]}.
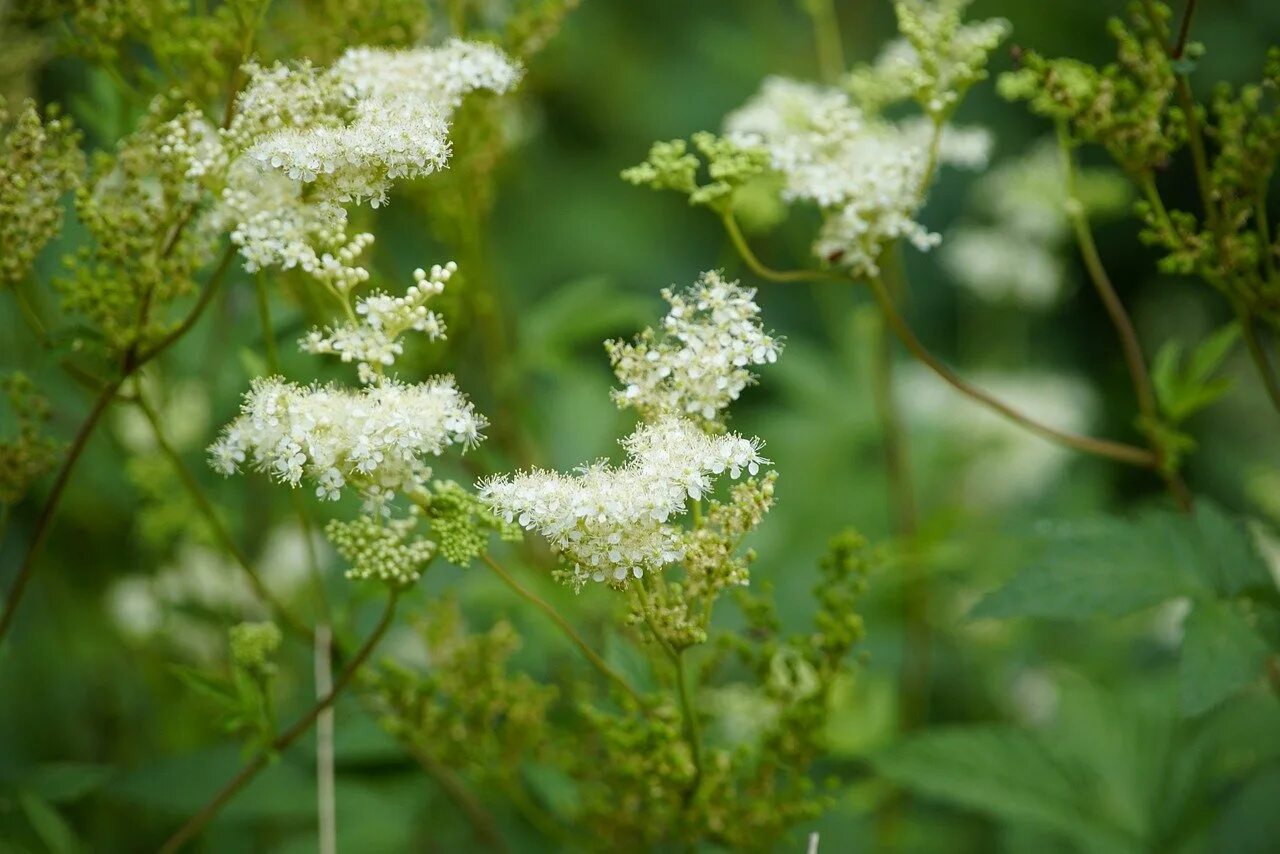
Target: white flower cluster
{"points": [[937, 59], [1006, 464], [313, 140], [611, 522], [1014, 250], [373, 342], [866, 174], [697, 364], [373, 439]]}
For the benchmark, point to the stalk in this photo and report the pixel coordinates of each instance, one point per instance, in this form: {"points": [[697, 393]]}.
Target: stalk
{"points": [[197, 822]]}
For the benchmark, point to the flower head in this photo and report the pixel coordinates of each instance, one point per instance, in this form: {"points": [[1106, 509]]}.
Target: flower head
{"points": [[374, 439], [613, 522], [697, 363]]}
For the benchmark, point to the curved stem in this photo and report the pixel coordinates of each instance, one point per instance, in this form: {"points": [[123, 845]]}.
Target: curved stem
{"points": [[206, 295], [206, 508], [1259, 355], [690, 713], [1118, 451], [1184, 30], [1120, 320], [765, 272], [47, 512], [546, 608], [827, 41], [482, 821], [198, 821]]}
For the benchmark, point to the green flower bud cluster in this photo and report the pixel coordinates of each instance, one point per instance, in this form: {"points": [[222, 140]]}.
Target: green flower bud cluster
{"points": [[253, 645], [466, 711], [461, 523], [27, 455], [381, 549], [730, 166], [150, 237], [1126, 106], [634, 773], [40, 162]]}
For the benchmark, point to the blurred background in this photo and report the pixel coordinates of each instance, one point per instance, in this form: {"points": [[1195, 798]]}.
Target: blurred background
{"points": [[91, 716]]}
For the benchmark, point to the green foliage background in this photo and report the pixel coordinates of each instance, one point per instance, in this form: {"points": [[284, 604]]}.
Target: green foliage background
{"points": [[103, 747]]}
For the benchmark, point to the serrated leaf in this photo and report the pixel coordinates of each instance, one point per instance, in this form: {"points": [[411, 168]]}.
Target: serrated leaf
{"points": [[1227, 557], [1106, 568], [1004, 772], [1221, 654]]}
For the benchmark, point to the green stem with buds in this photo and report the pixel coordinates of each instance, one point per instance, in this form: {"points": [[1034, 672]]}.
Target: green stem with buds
{"points": [[557, 618], [220, 532], [198, 821]]}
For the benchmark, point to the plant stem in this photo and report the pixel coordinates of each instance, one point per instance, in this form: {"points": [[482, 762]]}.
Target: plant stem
{"points": [[206, 508], [482, 821], [546, 608], [1184, 30], [826, 38], [917, 643], [326, 783], [206, 296], [689, 710], [1259, 355], [764, 272], [1129, 344], [198, 821], [1113, 450], [47, 512]]}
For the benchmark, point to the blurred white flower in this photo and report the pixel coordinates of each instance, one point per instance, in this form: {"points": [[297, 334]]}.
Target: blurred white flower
{"points": [[1034, 696], [1006, 464], [1004, 266]]}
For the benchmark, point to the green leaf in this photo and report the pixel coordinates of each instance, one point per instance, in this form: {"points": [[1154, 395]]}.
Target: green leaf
{"points": [[219, 691], [1111, 567], [1221, 654], [1108, 567], [1184, 390], [48, 824], [64, 782], [1004, 772], [1227, 557]]}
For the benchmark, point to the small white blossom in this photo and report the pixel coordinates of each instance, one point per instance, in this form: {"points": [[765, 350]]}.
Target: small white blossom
{"points": [[373, 342], [374, 439], [867, 175], [697, 363], [612, 523]]}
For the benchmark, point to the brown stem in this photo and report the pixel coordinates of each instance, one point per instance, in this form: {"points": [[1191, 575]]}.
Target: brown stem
{"points": [[1119, 451], [206, 508], [481, 820], [1184, 30], [766, 272], [1260, 359], [198, 821], [1120, 320], [47, 512], [542, 605]]}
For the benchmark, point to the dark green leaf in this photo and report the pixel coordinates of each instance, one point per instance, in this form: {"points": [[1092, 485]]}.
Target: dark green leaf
{"points": [[48, 824], [1221, 654], [1004, 772]]}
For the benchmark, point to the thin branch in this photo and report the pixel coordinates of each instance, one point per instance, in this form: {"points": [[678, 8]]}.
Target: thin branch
{"points": [[198, 821], [1184, 30], [1129, 344], [546, 608], [206, 508], [47, 512], [765, 272], [1119, 451], [206, 295]]}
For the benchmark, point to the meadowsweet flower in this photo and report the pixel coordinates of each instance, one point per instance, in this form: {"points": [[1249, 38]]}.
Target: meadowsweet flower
{"points": [[697, 363], [866, 174], [1006, 463], [614, 522], [373, 341], [373, 439], [935, 62], [1003, 266], [381, 549], [312, 140]]}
